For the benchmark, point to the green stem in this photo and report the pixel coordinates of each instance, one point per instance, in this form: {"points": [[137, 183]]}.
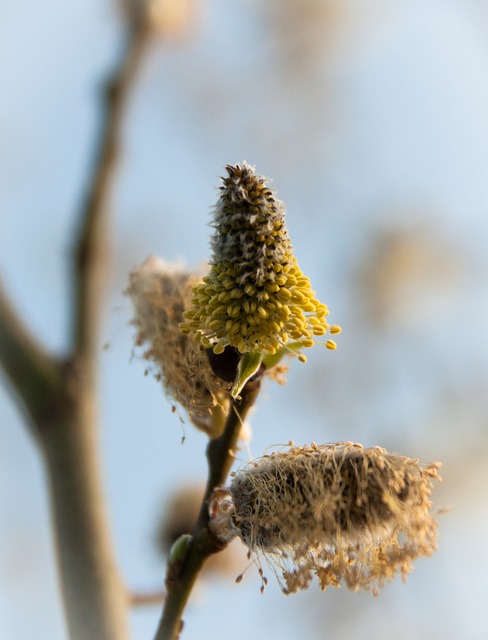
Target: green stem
{"points": [[181, 576]]}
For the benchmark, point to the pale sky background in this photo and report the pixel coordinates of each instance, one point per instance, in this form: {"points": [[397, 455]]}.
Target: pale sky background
{"points": [[371, 118]]}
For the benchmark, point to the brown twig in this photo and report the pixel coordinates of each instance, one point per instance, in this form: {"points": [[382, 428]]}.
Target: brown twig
{"points": [[181, 575]]}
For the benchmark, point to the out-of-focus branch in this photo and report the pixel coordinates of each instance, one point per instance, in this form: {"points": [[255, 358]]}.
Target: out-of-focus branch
{"points": [[33, 374], [182, 573], [146, 598], [94, 594], [60, 395], [91, 247]]}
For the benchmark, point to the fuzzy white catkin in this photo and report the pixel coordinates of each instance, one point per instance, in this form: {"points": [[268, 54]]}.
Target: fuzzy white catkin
{"points": [[160, 293], [341, 512]]}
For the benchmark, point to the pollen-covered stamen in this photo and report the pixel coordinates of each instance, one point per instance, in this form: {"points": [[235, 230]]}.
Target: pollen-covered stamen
{"points": [[255, 297]]}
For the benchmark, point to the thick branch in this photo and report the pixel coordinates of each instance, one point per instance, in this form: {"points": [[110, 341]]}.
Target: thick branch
{"points": [[93, 592], [94, 595], [182, 576], [61, 397]]}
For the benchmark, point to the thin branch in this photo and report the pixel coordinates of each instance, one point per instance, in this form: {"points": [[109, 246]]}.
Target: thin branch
{"points": [[143, 599], [33, 374], [90, 250], [181, 576]]}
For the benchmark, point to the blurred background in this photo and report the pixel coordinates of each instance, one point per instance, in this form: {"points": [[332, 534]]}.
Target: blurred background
{"points": [[371, 118]]}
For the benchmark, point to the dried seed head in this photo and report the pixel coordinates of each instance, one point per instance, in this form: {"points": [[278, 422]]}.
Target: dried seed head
{"points": [[160, 293], [340, 512], [255, 297]]}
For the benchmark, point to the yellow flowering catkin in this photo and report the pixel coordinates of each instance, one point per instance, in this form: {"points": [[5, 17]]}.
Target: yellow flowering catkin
{"points": [[255, 297], [340, 512], [160, 293]]}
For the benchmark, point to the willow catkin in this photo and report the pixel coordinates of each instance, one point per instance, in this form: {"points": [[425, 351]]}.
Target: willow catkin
{"points": [[341, 512], [160, 293], [255, 297]]}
